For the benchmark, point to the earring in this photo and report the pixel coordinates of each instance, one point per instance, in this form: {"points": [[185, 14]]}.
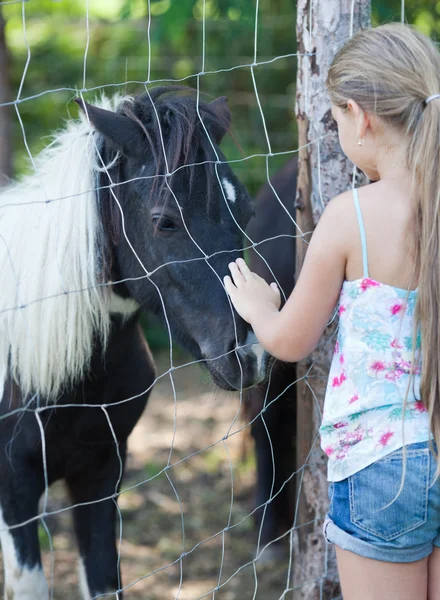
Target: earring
{"points": [[361, 142]]}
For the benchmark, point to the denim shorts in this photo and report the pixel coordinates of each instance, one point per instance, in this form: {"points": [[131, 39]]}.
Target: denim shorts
{"points": [[369, 517]]}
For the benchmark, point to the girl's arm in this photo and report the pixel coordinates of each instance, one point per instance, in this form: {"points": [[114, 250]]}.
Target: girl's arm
{"points": [[292, 333]]}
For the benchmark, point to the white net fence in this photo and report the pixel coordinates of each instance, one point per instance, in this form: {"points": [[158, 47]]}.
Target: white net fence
{"points": [[185, 513]]}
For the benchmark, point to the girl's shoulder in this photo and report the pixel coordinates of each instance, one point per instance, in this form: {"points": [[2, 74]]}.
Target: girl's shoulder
{"points": [[339, 216], [345, 202], [375, 200]]}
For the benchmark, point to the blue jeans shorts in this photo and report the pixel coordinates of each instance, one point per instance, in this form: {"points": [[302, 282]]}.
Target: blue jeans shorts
{"points": [[366, 517]]}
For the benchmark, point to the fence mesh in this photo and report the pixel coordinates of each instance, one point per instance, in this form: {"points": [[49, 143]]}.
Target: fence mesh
{"points": [[184, 510]]}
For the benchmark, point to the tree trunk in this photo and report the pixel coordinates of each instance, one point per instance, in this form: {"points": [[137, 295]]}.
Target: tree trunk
{"points": [[324, 172], [5, 111]]}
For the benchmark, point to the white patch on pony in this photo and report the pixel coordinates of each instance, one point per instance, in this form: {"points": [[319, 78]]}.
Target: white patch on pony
{"points": [[50, 261], [229, 190], [261, 355], [84, 586], [21, 583], [82, 578], [124, 306]]}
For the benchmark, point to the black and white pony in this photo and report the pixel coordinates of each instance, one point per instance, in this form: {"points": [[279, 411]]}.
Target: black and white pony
{"points": [[111, 222]]}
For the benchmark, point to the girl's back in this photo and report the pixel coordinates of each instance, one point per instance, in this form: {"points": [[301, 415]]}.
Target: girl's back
{"points": [[388, 214], [372, 405]]}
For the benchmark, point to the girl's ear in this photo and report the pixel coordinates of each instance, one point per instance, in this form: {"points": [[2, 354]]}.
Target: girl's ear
{"points": [[363, 123], [361, 118], [123, 132]]}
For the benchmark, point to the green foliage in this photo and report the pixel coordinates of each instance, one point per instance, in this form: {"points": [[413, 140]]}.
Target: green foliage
{"points": [[424, 14], [43, 539], [152, 468], [158, 337], [117, 51], [118, 54]]}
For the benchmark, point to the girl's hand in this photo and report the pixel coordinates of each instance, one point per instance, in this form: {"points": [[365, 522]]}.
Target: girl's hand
{"points": [[292, 333], [251, 296]]}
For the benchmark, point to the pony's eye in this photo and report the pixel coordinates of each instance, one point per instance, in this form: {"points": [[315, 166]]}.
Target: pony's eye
{"points": [[163, 223]]}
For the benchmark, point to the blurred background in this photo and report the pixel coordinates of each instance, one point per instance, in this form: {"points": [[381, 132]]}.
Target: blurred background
{"points": [[51, 49], [56, 36]]}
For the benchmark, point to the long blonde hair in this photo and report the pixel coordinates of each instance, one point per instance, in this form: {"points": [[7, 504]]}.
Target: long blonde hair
{"points": [[390, 71]]}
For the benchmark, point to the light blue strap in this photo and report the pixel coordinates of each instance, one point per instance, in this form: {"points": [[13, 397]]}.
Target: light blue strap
{"points": [[362, 232]]}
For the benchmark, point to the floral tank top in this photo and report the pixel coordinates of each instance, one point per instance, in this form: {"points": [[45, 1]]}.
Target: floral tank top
{"points": [[364, 415]]}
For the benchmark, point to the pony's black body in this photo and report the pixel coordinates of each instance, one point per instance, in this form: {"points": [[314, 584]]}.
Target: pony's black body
{"points": [[280, 417], [154, 263], [80, 448]]}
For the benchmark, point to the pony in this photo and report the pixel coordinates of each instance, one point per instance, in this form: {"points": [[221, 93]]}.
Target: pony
{"points": [[132, 207], [271, 406]]}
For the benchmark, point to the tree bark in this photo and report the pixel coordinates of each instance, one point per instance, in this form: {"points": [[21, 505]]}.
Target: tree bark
{"points": [[324, 172], [5, 111]]}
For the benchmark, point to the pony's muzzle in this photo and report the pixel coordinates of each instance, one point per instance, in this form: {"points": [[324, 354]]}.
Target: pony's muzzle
{"points": [[255, 357], [243, 366]]}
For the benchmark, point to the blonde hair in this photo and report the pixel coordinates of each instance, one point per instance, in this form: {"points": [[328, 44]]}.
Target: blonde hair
{"points": [[390, 71]]}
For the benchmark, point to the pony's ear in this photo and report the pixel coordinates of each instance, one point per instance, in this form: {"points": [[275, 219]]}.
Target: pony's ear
{"points": [[122, 131], [219, 126]]}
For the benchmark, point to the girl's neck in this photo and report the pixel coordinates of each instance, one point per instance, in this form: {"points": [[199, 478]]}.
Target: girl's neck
{"points": [[391, 167]]}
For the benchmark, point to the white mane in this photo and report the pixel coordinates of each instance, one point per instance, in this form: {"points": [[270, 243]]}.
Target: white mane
{"points": [[50, 261]]}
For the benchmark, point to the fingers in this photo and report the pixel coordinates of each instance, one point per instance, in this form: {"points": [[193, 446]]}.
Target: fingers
{"points": [[244, 269], [240, 272], [229, 286], [237, 275], [274, 287]]}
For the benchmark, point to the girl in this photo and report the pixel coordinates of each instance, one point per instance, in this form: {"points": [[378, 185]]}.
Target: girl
{"points": [[377, 251]]}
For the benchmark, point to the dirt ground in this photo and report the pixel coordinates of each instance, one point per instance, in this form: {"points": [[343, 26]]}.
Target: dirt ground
{"points": [[184, 509]]}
